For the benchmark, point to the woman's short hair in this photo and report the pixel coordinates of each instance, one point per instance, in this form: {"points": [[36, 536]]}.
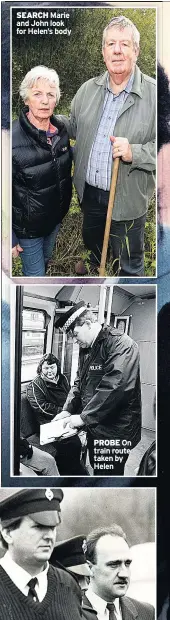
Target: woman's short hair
{"points": [[50, 359], [95, 535], [38, 73], [122, 22]]}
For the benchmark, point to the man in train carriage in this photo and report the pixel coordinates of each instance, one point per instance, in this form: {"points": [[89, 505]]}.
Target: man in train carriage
{"points": [[106, 396], [29, 586]]}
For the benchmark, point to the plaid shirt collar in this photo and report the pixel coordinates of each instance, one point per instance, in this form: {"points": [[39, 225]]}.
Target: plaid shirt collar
{"points": [[127, 88]]}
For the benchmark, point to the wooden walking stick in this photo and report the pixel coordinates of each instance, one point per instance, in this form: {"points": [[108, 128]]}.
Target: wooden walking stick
{"points": [[109, 216]]}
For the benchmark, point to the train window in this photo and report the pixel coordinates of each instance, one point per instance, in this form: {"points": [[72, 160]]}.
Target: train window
{"points": [[33, 341]]}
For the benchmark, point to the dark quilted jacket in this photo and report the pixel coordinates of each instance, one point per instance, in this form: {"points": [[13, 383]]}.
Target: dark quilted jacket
{"points": [[41, 178]]}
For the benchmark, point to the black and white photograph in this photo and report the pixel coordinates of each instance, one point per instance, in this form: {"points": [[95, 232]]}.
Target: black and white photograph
{"points": [[78, 553], [122, 323], [84, 391]]}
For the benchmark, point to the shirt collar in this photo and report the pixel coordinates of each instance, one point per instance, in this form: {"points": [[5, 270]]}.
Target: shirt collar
{"points": [[96, 336], [19, 575], [98, 603], [127, 88]]}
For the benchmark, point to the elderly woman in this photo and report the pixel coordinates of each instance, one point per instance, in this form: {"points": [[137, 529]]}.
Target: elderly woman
{"points": [[47, 394], [41, 171]]}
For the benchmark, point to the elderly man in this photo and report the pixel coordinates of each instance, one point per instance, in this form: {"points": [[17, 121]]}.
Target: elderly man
{"points": [[106, 395], [113, 115], [109, 557], [29, 587]]}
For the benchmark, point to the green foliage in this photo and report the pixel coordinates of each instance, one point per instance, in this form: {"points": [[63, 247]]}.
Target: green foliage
{"points": [[78, 57], [150, 240], [70, 248]]}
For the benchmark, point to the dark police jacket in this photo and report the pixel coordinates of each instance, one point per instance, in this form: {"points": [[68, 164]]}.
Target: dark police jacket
{"points": [[41, 178], [107, 391], [130, 608]]}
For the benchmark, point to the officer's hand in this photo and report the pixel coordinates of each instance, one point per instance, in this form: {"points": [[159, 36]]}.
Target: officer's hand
{"points": [[16, 250], [61, 415], [121, 148], [74, 421]]}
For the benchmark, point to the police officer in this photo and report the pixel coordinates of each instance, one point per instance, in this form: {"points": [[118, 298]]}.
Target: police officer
{"points": [[71, 554], [29, 586], [106, 395]]}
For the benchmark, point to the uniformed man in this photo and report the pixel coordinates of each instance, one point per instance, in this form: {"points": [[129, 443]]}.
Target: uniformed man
{"points": [[29, 586], [106, 395], [71, 554]]}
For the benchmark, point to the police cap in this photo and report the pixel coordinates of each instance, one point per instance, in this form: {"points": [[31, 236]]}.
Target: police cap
{"points": [[71, 554], [42, 505], [68, 318]]}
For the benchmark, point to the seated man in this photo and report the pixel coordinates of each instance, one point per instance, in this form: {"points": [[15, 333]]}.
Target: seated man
{"points": [[34, 461]]}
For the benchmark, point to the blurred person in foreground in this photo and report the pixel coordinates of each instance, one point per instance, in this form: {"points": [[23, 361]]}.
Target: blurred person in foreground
{"points": [[163, 187], [147, 466], [34, 461], [163, 595]]}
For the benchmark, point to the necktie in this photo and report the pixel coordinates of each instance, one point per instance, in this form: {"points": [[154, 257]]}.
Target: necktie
{"points": [[32, 592], [111, 608]]}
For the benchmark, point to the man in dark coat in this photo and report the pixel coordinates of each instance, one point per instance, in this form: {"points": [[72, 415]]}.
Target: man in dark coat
{"points": [[130, 609], [109, 557], [106, 395], [29, 586]]}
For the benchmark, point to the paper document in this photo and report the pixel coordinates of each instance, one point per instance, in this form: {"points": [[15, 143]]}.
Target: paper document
{"points": [[55, 430]]}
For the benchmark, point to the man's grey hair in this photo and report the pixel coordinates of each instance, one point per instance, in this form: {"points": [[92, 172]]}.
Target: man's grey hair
{"points": [[34, 75], [121, 23]]}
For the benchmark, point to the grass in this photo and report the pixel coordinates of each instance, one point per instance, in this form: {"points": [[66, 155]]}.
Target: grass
{"points": [[70, 248]]}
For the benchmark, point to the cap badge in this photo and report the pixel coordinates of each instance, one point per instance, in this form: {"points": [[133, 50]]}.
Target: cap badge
{"points": [[49, 494], [84, 546]]}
